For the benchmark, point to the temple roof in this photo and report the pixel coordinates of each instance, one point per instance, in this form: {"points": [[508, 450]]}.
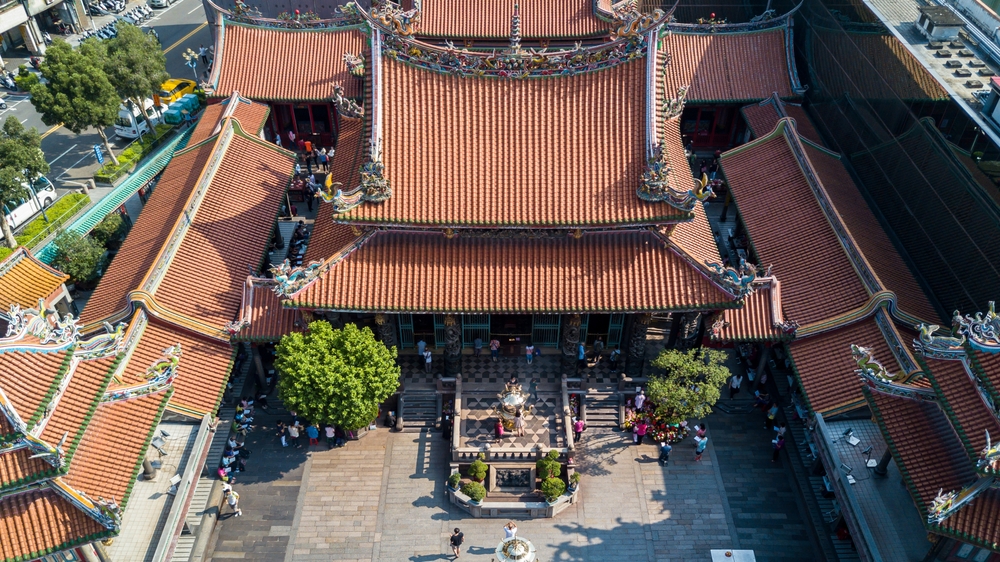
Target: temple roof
{"points": [[729, 67], [599, 272], [255, 62], [487, 152], [695, 237], [825, 368], [24, 279], [761, 318], [763, 117], [36, 522], [264, 318], [29, 379], [767, 180], [545, 19], [878, 59], [251, 117]]}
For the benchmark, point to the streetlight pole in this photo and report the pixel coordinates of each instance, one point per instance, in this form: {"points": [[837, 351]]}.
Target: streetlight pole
{"points": [[192, 61]]}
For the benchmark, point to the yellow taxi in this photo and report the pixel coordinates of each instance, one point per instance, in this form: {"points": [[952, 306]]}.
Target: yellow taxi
{"points": [[174, 89]]}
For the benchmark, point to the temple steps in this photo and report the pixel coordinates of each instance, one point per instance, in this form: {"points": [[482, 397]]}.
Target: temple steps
{"points": [[602, 409], [419, 410]]}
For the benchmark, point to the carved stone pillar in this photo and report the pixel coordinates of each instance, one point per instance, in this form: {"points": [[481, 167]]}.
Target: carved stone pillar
{"points": [[637, 345], [570, 341], [386, 328], [452, 346]]}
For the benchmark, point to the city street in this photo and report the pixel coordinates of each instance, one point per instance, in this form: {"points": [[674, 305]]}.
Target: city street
{"points": [[181, 26]]}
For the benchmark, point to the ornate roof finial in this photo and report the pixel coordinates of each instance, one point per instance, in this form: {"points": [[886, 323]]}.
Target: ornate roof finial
{"points": [[515, 29]]}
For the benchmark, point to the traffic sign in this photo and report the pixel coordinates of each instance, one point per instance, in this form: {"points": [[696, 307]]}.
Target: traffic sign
{"points": [[99, 154]]}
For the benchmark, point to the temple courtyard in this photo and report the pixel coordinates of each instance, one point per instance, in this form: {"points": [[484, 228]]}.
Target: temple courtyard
{"points": [[384, 498]]}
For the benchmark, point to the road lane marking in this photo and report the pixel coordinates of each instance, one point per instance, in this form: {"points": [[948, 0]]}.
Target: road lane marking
{"points": [[63, 154], [195, 8], [185, 38], [66, 171], [52, 130]]}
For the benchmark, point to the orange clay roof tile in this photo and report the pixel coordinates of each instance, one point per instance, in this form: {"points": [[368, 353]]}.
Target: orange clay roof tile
{"points": [[488, 19], [480, 152], [18, 468], [229, 233], [112, 447], [727, 66], [38, 521], [274, 64], [978, 520], [695, 237], [871, 239], [327, 238], [26, 377], [968, 408], [755, 320], [151, 230], [401, 271], [789, 230], [251, 117], [825, 366], [89, 380], [24, 280], [267, 319], [763, 117]]}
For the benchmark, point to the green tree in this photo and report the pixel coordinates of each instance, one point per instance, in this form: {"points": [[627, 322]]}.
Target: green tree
{"points": [[77, 256], [21, 161], [25, 78], [135, 65], [108, 229], [335, 376], [691, 384], [78, 94]]}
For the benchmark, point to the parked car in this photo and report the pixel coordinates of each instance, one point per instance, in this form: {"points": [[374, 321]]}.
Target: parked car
{"points": [[174, 89], [159, 3], [130, 124], [40, 195]]}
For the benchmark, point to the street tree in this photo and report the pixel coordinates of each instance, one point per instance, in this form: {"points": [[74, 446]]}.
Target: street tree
{"points": [[690, 386], [78, 93], [77, 256], [335, 376], [135, 65], [21, 162]]}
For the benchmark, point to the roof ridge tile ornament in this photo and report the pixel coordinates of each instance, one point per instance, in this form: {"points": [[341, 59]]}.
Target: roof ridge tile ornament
{"points": [[110, 343], [674, 107], [739, 282], [878, 378], [355, 64], [346, 107], [938, 347], [990, 455], [345, 16], [288, 279], [391, 15], [43, 323], [946, 504], [632, 22], [656, 184], [515, 29], [106, 512], [159, 376], [983, 331]]}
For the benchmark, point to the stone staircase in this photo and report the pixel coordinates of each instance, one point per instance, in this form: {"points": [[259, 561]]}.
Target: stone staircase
{"points": [[602, 409], [419, 410]]}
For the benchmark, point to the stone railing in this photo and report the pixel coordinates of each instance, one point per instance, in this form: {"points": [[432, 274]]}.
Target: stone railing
{"points": [[507, 510]]}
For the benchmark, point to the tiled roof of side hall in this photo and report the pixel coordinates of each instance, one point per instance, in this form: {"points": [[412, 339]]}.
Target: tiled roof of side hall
{"points": [[256, 62], [491, 20], [36, 522], [29, 379], [547, 159], [695, 237], [251, 116], [825, 368], [327, 237], [266, 319], [728, 67], [404, 272], [759, 319], [24, 280], [768, 182], [762, 117]]}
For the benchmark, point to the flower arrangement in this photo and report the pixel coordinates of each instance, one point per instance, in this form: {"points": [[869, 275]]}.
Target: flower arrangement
{"points": [[670, 433]]}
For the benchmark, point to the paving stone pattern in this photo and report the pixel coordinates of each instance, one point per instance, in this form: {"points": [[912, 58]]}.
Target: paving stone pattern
{"points": [[481, 370], [541, 425]]}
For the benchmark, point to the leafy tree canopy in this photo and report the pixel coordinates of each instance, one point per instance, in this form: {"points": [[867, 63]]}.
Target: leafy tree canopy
{"points": [[107, 229], [691, 384], [77, 256], [335, 376], [21, 161], [135, 63]]}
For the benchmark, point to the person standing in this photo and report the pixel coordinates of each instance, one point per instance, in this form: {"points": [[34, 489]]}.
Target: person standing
{"points": [[519, 423], [734, 385], [530, 351], [533, 389], [778, 444], [427, 360], [665, 449], [203, 53], [233, 499], [640, 400], [598, 349], [477, 347], [700, 449], [581, 357], [293, 433], [640, 431], [781, 429], [616, 354], [457, 538], [421, 345], [495, 349], [509, 530], [498, 431], [578, 427], [312, 431], [323, 161]]}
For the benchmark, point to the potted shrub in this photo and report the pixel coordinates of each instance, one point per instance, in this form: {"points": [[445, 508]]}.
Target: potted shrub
{"points": [[574, 481], [552, 488], [548, 466], [454, 480], [475, 491], [478, 469]]}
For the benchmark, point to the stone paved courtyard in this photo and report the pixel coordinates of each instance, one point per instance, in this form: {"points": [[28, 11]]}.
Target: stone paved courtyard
{"points": [[541, 424], [383, 498]]}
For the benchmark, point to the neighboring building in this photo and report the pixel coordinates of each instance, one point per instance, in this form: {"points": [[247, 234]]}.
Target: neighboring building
{"points": [[938, 22], [26, 280]]}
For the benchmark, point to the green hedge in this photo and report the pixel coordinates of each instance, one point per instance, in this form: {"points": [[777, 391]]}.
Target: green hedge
{"points": [[131, 155], [64, 209]]}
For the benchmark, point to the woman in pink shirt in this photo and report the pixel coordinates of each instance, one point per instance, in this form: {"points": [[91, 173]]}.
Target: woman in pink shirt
{"points": [[640, 431]]}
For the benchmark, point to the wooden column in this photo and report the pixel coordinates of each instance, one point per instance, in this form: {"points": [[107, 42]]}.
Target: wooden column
{"points": [[570, 341], [452, 345], [637, 345]]}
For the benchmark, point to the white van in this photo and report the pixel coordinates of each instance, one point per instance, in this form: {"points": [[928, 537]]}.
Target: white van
{"points": [[40, 195], [130, 124]]}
